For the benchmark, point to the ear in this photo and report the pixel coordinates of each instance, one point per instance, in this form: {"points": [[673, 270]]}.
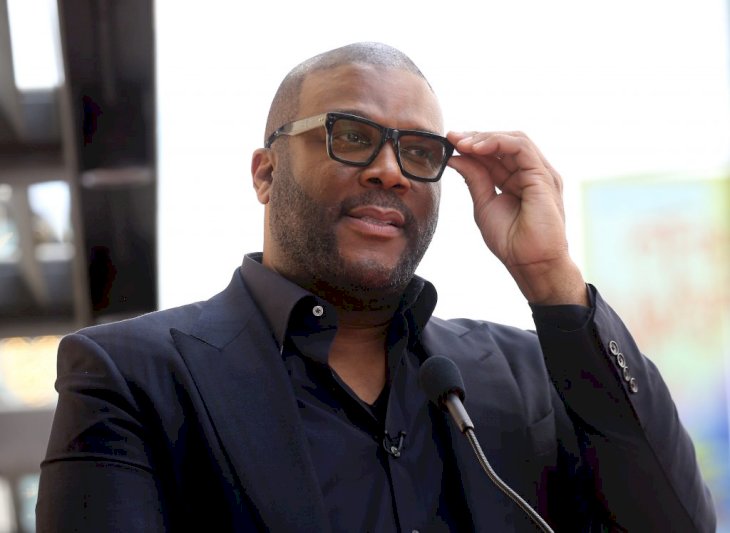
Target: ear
{"points": [[262, 168]]}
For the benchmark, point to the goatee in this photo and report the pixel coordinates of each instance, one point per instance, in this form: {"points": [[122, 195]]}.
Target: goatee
{"points": [[304, 231]]}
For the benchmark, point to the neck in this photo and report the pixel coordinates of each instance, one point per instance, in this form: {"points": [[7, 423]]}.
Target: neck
{"points": [[358, 355], [358, 352], [358, 307]]}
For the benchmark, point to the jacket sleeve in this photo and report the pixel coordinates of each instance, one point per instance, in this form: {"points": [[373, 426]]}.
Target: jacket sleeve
{"points": [[97, 475], [643, 464]]}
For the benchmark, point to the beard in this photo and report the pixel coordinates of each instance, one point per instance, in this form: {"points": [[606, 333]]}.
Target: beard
{"points": [[304, 233]]}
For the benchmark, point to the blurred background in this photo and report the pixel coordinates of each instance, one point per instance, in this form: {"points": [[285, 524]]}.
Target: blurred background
{"points": [[126, 129]]}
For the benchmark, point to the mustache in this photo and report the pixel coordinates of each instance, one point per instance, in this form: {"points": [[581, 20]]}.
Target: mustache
{"points": [[378, 198]]}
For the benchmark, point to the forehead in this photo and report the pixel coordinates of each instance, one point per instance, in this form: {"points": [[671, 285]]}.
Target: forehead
{"points": [[391, 96]]}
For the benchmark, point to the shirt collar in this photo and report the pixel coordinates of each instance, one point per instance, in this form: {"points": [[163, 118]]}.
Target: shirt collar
{"points": [[277, 297]]}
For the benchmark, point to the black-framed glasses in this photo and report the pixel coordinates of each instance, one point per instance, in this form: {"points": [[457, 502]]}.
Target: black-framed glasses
{"points": [[357, 141]]}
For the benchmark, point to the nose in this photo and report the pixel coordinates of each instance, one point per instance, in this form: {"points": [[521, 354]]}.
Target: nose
{"points": [[385, 171]]}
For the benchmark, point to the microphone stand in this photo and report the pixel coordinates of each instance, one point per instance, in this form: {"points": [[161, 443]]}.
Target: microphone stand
{"points": [[501, 485], [461, 417]]}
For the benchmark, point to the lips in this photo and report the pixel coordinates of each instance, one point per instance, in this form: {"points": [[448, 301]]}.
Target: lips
{"points": [[378, 215]]}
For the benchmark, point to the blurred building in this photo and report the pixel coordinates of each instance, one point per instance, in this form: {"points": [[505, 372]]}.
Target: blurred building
{"points": [[77, 203]]}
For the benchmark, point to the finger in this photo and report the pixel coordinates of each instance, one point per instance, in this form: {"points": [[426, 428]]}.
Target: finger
{"points": [[511, 152], [558, 180], [501, 145], [477, 178], [519, 156], [492, 162], [465, 143]]}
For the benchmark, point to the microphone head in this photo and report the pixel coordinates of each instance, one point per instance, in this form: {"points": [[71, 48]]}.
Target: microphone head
{"points": [[440, 376]]}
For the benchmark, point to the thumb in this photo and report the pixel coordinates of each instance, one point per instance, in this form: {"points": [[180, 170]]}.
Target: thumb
{"points": [[477, 178]]}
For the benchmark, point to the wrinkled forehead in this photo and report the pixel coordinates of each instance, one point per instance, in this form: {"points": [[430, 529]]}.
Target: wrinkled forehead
{"points": [[385, 94]]}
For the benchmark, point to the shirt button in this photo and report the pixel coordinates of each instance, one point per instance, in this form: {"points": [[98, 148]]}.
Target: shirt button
{"points": [[621, 360], [633, 385], [317, 310], [626, 374]]}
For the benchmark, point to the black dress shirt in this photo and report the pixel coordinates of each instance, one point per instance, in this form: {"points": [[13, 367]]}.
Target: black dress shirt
{"points": [[381, 467], [386, 466]]}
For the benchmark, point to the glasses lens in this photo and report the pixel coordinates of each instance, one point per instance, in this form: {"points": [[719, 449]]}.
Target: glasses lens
{"points": [[422, 156], [354, 141]]}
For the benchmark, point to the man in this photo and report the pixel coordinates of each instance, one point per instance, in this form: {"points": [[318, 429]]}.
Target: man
{"points": [[290, 401]]}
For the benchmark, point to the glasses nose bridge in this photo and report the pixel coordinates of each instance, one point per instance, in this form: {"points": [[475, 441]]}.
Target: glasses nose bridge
{"points": [[388, 134]]}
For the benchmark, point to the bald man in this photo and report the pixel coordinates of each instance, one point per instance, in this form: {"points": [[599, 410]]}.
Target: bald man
{"points": [[290, 401]]}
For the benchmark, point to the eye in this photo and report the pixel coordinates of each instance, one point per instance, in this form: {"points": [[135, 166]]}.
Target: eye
{"points": [[352, 141], [417, 152], [421, 151], [355, 138], [420, 155]]}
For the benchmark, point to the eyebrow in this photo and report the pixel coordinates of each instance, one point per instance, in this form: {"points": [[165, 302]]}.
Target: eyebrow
{"points": [[360, 113]]}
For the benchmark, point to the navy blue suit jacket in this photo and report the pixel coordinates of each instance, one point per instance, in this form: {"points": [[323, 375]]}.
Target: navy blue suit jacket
{"points": [[185, 420]]}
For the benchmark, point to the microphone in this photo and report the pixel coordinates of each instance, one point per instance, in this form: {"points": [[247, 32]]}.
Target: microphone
{"points": [[441, 380], [394, 445]]}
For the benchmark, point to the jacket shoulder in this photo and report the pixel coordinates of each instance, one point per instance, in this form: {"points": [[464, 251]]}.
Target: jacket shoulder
{"points": [[482, 333], [156, 324]]}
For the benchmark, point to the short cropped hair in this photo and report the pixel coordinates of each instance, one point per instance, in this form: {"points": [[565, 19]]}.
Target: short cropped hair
{"points": [[285, 105]]}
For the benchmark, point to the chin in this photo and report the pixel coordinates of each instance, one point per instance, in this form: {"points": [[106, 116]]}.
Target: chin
{"points": [[371, 273]]}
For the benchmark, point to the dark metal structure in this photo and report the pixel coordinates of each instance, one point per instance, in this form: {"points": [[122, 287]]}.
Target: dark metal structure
{"points": [[94, 135]]}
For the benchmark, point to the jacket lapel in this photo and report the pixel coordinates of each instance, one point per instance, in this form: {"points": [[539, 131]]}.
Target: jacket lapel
{"points": [[239, 374], [240, 377], [496, 412]]}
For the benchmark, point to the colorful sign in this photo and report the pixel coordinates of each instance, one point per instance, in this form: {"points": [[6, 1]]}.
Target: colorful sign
{"points": [[658, 249]]}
